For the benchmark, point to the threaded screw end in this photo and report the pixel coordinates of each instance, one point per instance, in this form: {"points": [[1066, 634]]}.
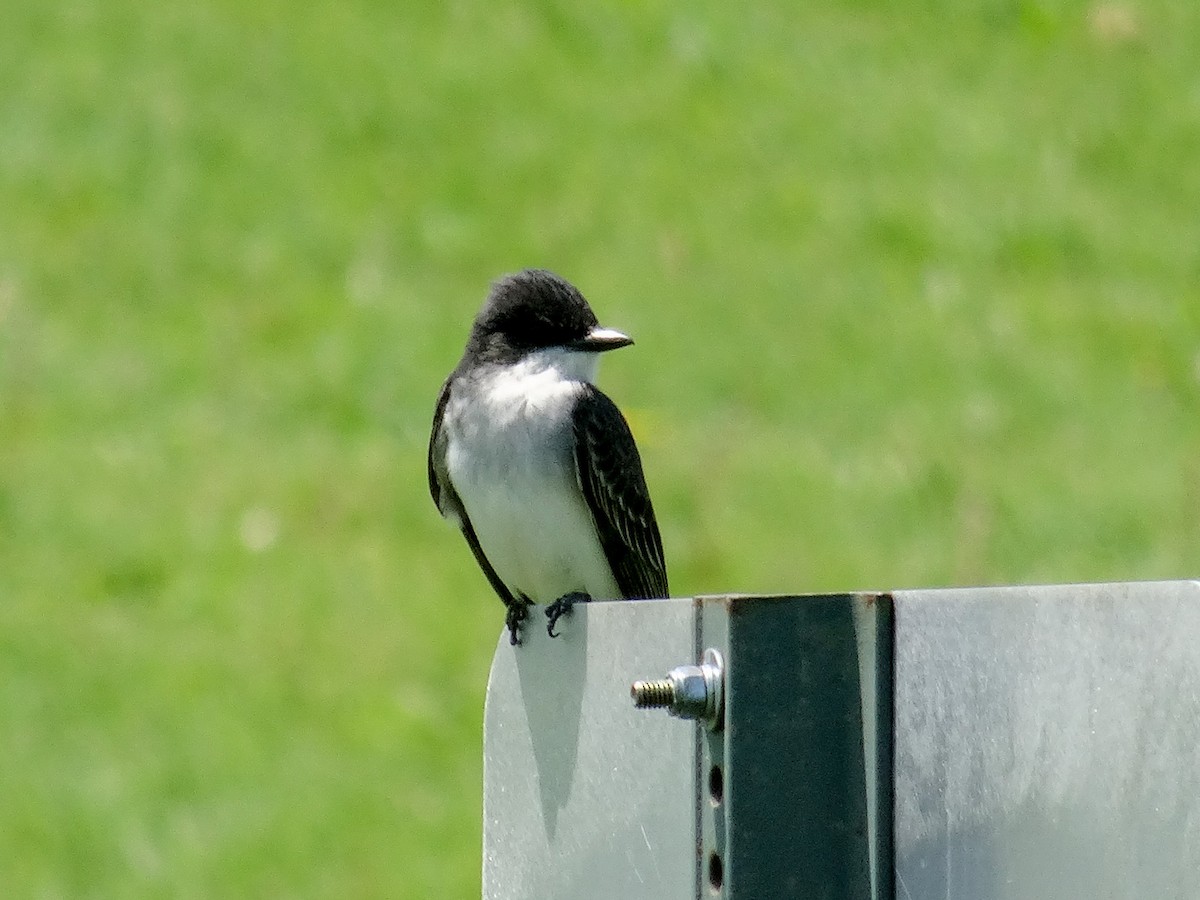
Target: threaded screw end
{"points": [[652, 694]]}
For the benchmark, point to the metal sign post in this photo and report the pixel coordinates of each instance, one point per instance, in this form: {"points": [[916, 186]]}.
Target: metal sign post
{"points": [[982, 744]]}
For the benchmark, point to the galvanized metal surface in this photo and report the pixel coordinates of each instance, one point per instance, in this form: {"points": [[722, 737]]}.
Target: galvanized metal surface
{"points": [[983, 744], [1047, 742], [585, 796]]}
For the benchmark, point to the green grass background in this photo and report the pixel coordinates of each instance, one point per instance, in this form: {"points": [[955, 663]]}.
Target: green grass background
{"points": [[916, 288]]}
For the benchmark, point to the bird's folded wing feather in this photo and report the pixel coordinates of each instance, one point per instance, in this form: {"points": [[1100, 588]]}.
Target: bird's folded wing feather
{"points": [[610, 476]]}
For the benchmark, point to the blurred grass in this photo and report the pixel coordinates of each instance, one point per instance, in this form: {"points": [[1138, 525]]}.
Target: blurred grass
{"points": [[915, 288]]}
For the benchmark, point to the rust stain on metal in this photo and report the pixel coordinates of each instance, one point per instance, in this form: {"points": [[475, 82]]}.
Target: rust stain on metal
{"points": [[726, 600]]}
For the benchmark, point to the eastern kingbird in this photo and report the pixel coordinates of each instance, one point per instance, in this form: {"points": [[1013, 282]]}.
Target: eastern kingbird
{"points": [[535, 465]]}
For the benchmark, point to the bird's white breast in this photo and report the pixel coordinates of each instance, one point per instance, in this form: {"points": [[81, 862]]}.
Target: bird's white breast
{"points": [[510, 457]]}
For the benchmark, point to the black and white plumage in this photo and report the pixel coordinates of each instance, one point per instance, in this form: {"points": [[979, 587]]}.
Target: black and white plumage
{"points": [[537, 466]]}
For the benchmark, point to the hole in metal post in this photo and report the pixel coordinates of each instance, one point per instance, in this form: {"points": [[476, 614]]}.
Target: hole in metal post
{"points": [[716, 871], [716, 785]]}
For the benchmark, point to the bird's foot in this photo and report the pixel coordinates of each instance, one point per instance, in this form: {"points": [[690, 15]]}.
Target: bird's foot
{"points": [[561, 607], [517, 612]]}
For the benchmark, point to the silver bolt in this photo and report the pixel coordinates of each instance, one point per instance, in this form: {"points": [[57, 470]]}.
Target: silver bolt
{"points": [[690, 692]]}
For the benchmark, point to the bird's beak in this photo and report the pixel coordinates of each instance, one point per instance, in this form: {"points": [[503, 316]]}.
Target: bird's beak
{"points": [[600, 339]]}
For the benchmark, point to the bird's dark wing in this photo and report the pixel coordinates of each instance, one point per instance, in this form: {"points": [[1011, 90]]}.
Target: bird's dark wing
{"points": [[447, 500], [439, 480], [610, 475]]}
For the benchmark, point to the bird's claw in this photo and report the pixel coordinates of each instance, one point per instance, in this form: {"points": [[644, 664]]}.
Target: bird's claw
{"points": [[561, 607], [517, 612]]}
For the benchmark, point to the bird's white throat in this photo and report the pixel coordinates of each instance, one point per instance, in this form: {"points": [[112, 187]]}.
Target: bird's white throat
{"points": [[542, 376]]}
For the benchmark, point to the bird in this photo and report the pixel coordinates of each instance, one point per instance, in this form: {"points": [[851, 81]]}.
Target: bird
{"points": [[536, 465]]}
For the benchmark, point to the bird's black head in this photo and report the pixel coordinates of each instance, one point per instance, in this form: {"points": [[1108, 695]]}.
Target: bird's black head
{"points": [[534, 310]]}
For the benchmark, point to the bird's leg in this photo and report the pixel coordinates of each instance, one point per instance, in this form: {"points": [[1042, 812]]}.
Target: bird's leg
{"points": [[517, 611], [561, 607]]}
